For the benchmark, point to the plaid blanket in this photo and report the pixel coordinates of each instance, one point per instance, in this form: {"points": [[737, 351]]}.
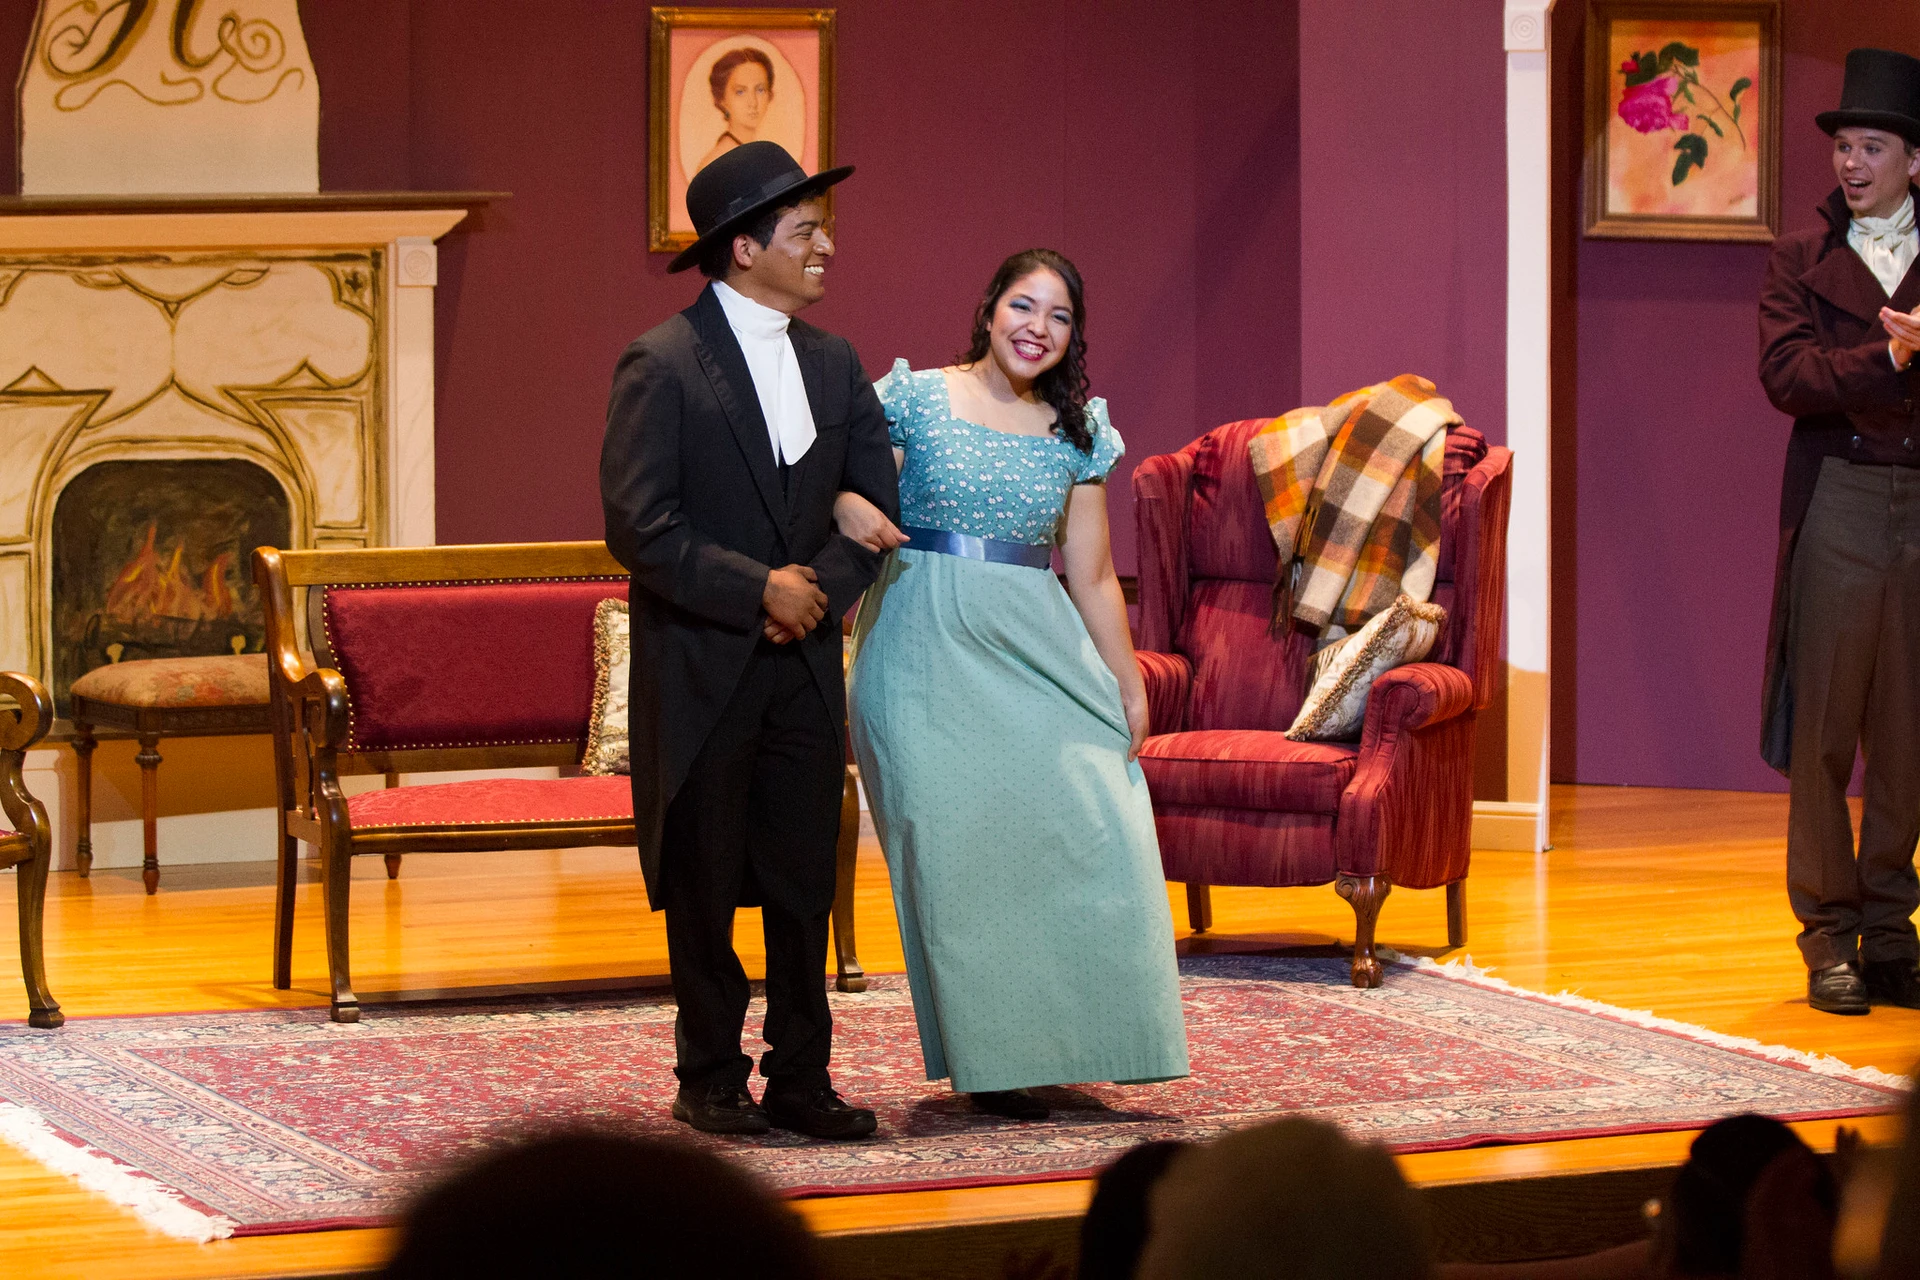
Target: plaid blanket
{"points": [[1352, 493]]}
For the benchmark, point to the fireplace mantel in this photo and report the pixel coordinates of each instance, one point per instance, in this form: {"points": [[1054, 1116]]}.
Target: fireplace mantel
{"points": [[329, 219], [329, 298], [291, 331]]}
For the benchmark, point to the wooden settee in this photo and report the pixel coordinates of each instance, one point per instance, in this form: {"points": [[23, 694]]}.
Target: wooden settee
{"points": [[420, 660]]}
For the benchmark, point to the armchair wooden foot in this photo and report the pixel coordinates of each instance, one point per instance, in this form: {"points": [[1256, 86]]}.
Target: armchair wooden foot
{"points": [[851, 976], [1199, 906], [1365, 893], [1457, 914]]}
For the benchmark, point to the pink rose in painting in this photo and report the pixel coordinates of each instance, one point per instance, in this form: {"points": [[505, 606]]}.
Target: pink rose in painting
{"points": [[1649, 107]]}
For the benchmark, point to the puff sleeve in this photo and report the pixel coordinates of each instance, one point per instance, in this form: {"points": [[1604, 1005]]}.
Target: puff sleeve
{"points": [[1107, 445], [896, 391]]}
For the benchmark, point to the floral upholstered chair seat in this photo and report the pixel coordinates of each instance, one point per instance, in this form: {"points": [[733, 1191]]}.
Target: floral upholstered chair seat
{"points": [[218, 681]]}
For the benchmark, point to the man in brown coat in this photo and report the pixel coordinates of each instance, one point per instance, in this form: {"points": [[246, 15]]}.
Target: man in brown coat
{"points": [[1837, 339]]}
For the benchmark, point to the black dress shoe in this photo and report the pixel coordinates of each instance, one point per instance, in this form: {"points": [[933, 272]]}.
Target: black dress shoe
{"points": [[1892, 982], [1014, 1104], [1837, 990], [719, 1108], [818, 1113]]}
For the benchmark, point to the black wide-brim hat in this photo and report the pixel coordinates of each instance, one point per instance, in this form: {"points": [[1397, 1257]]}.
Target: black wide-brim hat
{"points": [[1882, 91], [725, 197]]}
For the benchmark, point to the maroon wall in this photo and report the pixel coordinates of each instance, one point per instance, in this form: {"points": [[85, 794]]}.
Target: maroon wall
{"points": [[1678, 464], [1403, 213], [1155, 144]]}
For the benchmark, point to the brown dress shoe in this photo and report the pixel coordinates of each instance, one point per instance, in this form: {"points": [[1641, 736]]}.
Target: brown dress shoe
{"points": [[1837, 990], [1892, 982]]}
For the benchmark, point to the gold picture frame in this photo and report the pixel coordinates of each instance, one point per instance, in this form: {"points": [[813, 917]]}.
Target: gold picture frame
{"points": [[1683, 120], [773, 65]]}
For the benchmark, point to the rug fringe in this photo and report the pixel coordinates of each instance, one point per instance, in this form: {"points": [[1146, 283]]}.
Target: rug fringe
{"points": [[97, 1171], [1464, 969]]}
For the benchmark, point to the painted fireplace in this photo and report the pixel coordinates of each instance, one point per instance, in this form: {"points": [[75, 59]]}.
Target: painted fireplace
{"points": [[181, 382]]}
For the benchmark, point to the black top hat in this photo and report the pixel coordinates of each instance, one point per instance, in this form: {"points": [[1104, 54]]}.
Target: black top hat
{"points": [[1882, 91], [743, 183]]}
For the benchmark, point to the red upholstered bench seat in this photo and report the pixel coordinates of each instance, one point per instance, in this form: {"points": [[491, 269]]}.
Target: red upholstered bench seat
{"points": [[1267, 771], [496, 802]]}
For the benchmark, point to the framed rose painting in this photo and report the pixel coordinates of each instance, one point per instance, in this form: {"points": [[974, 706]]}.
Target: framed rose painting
{"points": [[722, 77], [1683, 120]]}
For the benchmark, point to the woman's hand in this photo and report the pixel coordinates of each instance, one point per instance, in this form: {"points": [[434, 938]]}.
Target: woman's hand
{"points": [[860, 520], [1904, 330], [1139, 724]]}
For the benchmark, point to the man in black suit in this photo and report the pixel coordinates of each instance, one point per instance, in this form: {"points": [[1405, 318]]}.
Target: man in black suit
{"points": [[730, 429]]}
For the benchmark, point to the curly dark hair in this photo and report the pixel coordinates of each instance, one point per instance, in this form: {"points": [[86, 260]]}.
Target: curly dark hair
{"points": [[1065, 385]]}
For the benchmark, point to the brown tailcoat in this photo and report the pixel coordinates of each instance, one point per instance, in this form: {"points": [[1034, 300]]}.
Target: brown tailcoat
{"points": [[1823, 359]]}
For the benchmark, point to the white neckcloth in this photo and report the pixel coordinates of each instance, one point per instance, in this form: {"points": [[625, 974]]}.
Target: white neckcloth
{"points": [[1886, 245], [762, 332]]}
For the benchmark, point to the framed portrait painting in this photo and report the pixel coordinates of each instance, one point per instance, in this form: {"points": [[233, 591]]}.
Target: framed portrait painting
{"points": [[722, 77], [1683, 120]]}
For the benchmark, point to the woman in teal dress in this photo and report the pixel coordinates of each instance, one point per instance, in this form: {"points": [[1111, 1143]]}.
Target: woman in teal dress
{"points": [[996, 718]]}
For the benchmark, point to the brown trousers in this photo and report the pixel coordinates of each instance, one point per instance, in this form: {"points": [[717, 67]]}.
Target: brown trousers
{"points": [[1854, 645]]}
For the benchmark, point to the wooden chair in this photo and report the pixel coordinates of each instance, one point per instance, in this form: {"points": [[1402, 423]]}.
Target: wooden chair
{"points": [[1235, 801], [443, 658], [28, 845]]}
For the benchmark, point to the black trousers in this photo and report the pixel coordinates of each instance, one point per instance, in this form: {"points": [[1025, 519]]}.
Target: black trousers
{"points": [[759, 814], [1854, 642]]}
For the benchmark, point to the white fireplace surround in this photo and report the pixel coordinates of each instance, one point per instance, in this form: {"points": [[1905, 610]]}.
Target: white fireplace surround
{"points": [[353, 444]]}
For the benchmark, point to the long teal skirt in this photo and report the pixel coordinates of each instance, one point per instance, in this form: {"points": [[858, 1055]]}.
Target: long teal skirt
{"points": [[1026, 873]]}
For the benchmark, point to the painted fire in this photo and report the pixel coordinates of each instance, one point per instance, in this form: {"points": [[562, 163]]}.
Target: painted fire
{"points": [[148, 588]]}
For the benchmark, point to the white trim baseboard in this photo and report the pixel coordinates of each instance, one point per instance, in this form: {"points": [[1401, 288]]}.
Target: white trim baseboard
{"points": [[1510, 825]]}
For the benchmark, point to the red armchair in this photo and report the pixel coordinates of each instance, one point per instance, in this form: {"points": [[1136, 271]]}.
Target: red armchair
{"points": [[1235, 801]]}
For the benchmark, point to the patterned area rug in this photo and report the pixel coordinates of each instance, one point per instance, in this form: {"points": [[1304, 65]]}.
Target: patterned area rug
{"points": [[264, 1122]]}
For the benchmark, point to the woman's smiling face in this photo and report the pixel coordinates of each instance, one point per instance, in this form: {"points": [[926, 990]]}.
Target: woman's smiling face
{"points": [[1874, 168], [744, 101], [1032, 324]]}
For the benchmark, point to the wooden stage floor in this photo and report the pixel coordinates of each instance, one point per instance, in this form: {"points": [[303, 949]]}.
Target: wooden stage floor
{"points": [[1672, 901]]}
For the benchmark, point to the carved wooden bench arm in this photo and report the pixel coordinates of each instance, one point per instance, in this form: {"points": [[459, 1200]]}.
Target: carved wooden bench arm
{"points": [[20, 729], [31, 850]]}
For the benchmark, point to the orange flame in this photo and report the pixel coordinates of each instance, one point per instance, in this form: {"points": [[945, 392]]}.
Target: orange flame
{"points": [[146, 588]]}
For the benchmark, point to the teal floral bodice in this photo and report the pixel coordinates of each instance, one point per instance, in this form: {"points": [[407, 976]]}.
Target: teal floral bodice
{"points": [[971, 479]]}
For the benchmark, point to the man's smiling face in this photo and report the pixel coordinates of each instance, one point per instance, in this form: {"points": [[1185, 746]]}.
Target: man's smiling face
{"points": [[1874, 168], [789, 272]]}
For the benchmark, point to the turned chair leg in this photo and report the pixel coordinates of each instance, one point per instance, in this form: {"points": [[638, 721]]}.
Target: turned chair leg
{"points": [[286, 887], [393, 859], [336, 880], [1199, 906], [851, 976], [83, 745], [1366, 893], [42, 1009], [1457, 913], [148, 758]]}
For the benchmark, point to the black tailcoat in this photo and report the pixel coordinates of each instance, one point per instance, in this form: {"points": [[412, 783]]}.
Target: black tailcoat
{"points": [[697, 512], [1823, 359]]}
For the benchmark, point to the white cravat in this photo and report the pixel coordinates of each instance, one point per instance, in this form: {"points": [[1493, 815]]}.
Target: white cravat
{"points": [[1886, 245], [762, 332]]}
